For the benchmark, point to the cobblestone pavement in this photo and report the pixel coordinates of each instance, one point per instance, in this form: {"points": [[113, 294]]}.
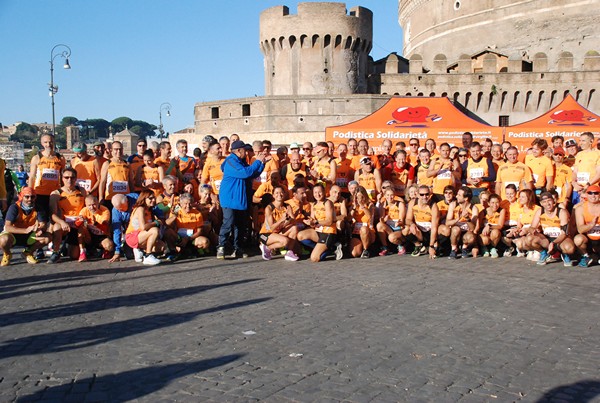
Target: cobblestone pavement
{"points": [[383, 329]]}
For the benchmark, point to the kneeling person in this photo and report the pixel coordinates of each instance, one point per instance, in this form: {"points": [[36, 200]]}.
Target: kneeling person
{"points": [[95, 233], [189, 223]]}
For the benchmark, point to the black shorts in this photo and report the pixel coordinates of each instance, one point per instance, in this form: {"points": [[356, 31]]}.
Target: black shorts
{"points": [[263, 238], [21, 239], [96, 240], [327, 239]]}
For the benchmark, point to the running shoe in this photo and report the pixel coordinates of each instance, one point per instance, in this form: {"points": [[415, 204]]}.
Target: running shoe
{"points": [[339, 251], [508, 252], [6, 259], [265, 251], [401, 250], [365, 254], [465, 253], [150, 260], [453, 255], [494, 253], [138, 255], [567, 262], [554, 257], [220, 252], [29, 258], [384, 251], [83, 256], [54, 258], [238, 254], [584, 261], [544, 255], [291, 256]]}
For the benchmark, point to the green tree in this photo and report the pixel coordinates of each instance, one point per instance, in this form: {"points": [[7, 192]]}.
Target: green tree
{"points": [[119, 124], [26, 134], [100, 126], [142, 129], [69, 121]]}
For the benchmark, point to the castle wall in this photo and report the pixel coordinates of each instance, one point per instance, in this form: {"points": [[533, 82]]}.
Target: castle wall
{"points": [[515, 95], [321, 50], [283, 119], [512, 27]]}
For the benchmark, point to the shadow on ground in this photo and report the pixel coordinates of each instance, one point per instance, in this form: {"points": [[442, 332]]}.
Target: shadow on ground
{"points": [[580, 392], [128, 385]]}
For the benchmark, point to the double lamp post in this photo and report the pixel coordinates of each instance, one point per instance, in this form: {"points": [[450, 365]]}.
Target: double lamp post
{"points": [[66, 52]]}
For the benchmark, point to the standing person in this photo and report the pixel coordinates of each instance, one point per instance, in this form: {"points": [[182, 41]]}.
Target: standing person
{"points": [[324, 168], [478, 172], [115, 176], [562, 179], [541, 167], [445, 172], [402, 174], [87, 167], [22, 176], [99, 149], [467, 140], [149, 175], [513, 172], [586, 169], [44, 174], [187, 164], [136, 159], [234, 195], [211, 173]]}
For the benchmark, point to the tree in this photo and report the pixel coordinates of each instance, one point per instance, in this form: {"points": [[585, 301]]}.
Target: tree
{"points": [[100, 127], [26, 134], [69, 121], [142, 129], [119, 124]]}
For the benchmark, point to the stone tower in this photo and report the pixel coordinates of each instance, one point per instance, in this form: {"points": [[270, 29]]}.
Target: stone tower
{"points": [[321, 50], [515, 28]]}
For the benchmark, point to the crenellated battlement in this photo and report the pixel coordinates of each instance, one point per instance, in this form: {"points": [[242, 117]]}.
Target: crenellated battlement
{"points": [[322, 49]]}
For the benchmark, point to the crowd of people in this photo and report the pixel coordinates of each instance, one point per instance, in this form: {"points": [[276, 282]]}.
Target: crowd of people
{"points": [[478, 200]]}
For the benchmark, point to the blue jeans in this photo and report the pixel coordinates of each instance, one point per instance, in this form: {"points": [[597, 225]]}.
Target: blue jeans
{"points": [[233, 221]]}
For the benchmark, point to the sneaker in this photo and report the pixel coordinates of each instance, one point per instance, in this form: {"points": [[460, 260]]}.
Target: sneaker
{"points": [[453, 255], [282, 252], [220, 252], [520, 254], [171, 257], [384, 251], [494, 253], [584, 261], [150, 260], [419, 250], [39, 254], [54, 257], [29, 258], [401, 250], [83, 256], [238, 254], [464, 253], [555, 257], [530, 255], [567, 262], [138, 255], [265, 251], [339, 251], [536, 256], [64, 249], [486, 252], [6, 259], [365, 254], [291, 256], [544, 255], [508, 252]]}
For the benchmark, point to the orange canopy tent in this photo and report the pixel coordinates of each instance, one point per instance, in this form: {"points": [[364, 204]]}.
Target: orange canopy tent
{"points": [[403, 118], [567, 119]]}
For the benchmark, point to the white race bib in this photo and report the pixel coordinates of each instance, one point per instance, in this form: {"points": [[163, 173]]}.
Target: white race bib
{"points": [[358, 226], [217, 184], [552, 232], [476, 173], [85, 184], [120, 187], [185, 232], [50, 174], [444, 174], [424, 226], [583, 177], [341, 182], [95, 230]]}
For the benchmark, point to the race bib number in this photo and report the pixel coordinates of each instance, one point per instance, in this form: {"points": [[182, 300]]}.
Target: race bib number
{"points": [[595, 231], [84, 184], [341, 182], [358, 226], [50, 174], [95, 230], [120, 187], [552, 232], [263, 177], [444, 174], [583, 177], [424, 226], [476, 173], [217, 185], [70, 220], [392, 225], [464, 226], [185, 232]]}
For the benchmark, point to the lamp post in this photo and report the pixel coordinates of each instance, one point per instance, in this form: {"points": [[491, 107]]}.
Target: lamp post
{"points": [[54, 88], [167, 107]]}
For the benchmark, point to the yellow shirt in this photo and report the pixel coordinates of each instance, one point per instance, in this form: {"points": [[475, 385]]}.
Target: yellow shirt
{"points": [[586, 162], [211, 173], [563, 175], [513, 173]]}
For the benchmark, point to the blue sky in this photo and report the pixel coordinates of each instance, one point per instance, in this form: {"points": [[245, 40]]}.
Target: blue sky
{"points": [[130, 56]]}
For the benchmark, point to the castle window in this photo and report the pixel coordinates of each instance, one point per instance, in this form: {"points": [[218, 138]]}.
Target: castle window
{"points": [[590, 97], [245, 109], [503, 120], [214, 112], [456, 5]]}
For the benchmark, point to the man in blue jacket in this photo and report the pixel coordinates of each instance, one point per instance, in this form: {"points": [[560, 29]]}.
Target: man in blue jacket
{"points": [[233, 194]]}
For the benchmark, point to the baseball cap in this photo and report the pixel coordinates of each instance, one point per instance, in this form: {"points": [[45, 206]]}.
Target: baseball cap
{"points": [[559, 150], [570, 143], [294, 145], [98, 143], [593, 188], [79, 147], [240, 144]]}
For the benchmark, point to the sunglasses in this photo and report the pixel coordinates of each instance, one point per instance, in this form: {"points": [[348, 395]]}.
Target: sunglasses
{"points": [[68, 177], [414, 145], [593, 193], [559, 155], [424, 194], [306, 149], [462, 155]]}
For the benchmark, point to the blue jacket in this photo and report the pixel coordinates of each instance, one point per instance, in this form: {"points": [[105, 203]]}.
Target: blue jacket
{"points": [[236, 173]]}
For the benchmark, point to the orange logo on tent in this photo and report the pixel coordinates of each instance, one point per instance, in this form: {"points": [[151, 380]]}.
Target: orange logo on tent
{"points": [[572, 117], [411, 117]]}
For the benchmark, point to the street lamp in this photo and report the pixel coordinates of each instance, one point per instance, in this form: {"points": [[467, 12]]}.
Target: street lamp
{"points": [[167, 107], [54, 88]]}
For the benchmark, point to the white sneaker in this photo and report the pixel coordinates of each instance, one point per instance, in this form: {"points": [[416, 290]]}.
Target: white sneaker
{"points": [[291, 256], [530, 255], [138, 255], [536, 256], [150, 260]]}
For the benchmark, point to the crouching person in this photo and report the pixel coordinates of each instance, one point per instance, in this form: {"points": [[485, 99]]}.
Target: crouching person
{"points": [[189, 223], [96, 219], [279, 230], [143, 230], [23, 226]]}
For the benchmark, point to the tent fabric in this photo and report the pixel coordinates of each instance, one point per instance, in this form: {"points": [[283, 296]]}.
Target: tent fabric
{"points": [[403, 118], [568, 119]]}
